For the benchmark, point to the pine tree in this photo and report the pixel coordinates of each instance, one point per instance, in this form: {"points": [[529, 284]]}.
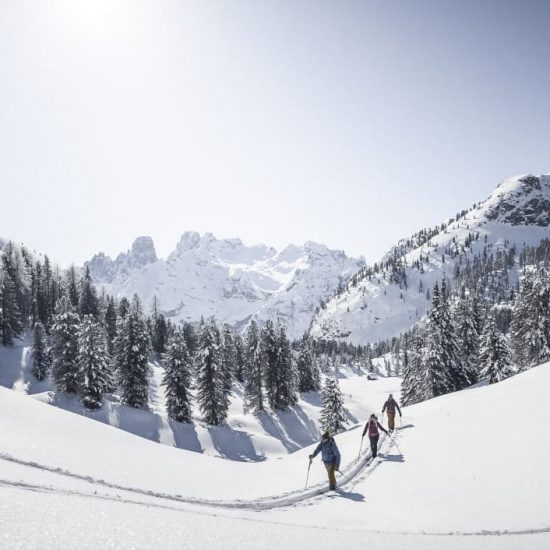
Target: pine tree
{"points": [[94, 373], [270, 354], [436, 379], [88, 303], [72, 286], [228, 357], [239, 358], [40, 355], [253, 371], [286, 376], [110, 320], [468, 344], [160, 333], [123, 308], [411, 386], [10, 314], [178, 367], [15, 265], [333, 416], [64, 332], [440, 354], [494, 356], [212, 395], [307, 368], [49, 292], [131, 351], [456, 377], [530, 325]]}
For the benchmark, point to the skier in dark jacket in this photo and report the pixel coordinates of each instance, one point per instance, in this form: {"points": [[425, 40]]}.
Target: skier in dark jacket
{"points": [[372, 427], [391, 405], [330, 456]]}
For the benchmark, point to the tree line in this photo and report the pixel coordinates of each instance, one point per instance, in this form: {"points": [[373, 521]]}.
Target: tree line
{"points": [[493, 323], [93, 344]]}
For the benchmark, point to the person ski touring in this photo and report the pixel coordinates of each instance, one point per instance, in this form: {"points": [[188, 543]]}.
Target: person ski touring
{"points": [[330, 456], [390, 406], [372, 427]]}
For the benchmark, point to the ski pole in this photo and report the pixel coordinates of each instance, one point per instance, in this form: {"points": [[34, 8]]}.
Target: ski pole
{"points": [[308, 468], [361, 446]]}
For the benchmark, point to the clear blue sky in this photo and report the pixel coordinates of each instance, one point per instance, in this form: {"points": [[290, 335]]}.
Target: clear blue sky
{"points": [[348, 123]]}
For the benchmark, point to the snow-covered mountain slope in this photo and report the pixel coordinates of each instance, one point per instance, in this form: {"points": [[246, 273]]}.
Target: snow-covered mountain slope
{"points": [[379, 305], [468, 463], [243, 438], [224, 277]]}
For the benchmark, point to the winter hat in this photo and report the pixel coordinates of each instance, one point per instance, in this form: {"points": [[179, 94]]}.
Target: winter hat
{"points": [[325, 435]]}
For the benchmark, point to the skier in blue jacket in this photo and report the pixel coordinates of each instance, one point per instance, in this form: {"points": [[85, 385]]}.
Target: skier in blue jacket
{"points": [[330, 456]]}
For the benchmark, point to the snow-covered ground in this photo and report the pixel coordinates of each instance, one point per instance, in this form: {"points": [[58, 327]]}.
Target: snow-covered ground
{"points": [[244, 437], [467, 470]]}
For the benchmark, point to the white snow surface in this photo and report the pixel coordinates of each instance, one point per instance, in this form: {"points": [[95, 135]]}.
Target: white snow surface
{"points": [[207, 276], [515, 213], [466, 470], [248, 438]]}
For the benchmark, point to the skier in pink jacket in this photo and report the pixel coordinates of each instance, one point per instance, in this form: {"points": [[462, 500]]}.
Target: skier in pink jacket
{"points": [[372, 427]]}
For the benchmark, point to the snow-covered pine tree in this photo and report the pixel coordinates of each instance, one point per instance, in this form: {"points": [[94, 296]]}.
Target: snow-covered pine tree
{"points": [[530, 325], [286, 372], [494, 356], [468, 343], [123, 307], [49, 292], [64, 334], [178, 368], [239, 358], [309, 378], [131, 351], [457, 378], [413, 373], [228, 357], [88, 303], [40, 355], [160, 333], [333, 416], [110, 321], [436, 376], [190, 337], [270, 354], [15, 265], [94, 372], [72, 286], [253, 370], [10, 314], [40, 306], [212, 396]]}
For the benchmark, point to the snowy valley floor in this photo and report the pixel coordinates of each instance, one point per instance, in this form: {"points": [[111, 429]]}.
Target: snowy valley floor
{"points": [[466, 471]]}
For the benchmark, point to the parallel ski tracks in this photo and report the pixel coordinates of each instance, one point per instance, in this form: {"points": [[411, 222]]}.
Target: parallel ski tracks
{"points": [[352, 476]]}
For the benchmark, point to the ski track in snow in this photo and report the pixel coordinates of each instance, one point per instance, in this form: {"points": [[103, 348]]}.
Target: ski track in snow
{"points": [[360, 470], [267, 503]]}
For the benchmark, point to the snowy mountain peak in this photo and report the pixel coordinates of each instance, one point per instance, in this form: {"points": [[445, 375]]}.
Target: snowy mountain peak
{"points": [[388, 298], [143, 251], [188, 241], [233, 250], [522, 200], [207, 276]]}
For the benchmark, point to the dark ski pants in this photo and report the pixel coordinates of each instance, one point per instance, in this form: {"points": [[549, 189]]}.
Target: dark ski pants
{"points": [[391, 420], [331, 467], [374, 445]]}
